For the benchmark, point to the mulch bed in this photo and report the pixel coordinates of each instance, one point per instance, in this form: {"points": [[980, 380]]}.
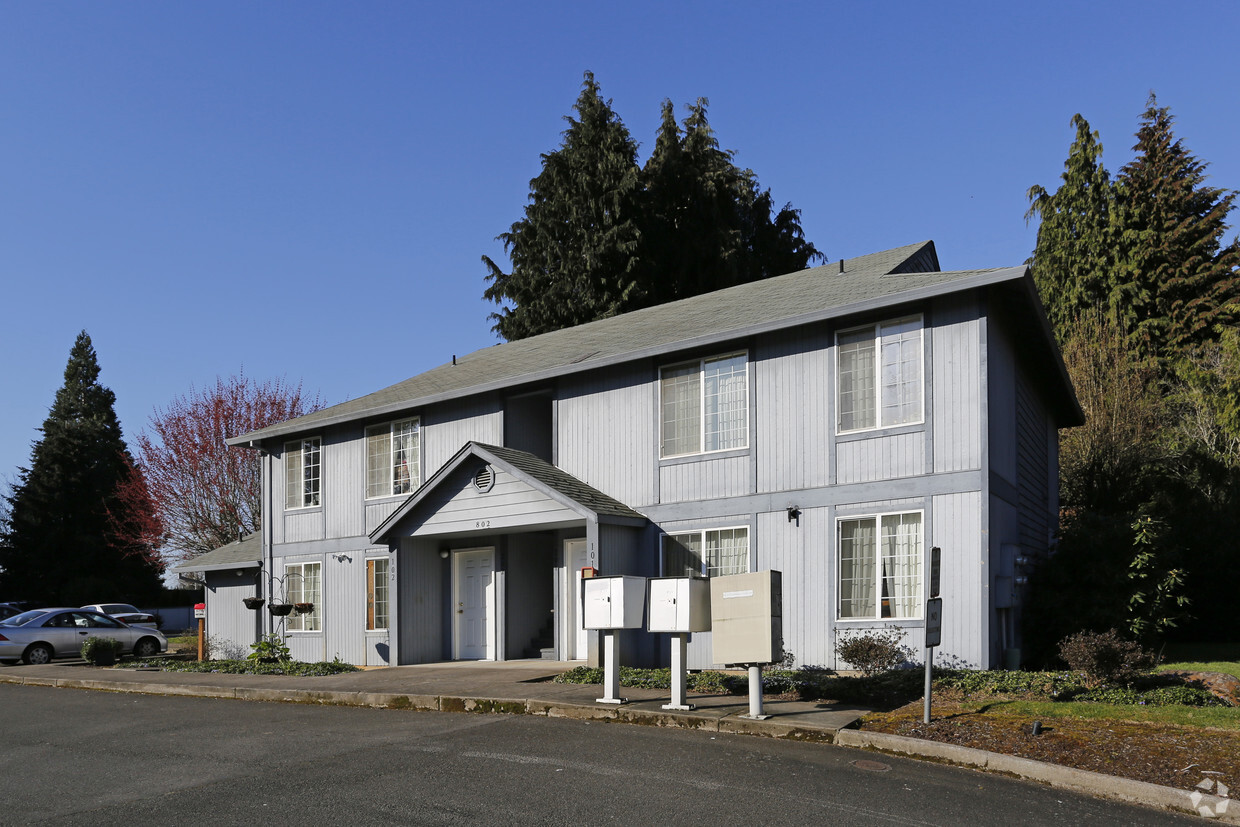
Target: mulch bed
{"points": [[1173, 756]]}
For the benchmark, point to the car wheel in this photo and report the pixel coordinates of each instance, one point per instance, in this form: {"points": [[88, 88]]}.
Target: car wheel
{"points": [[145, 648], [37, 653]]}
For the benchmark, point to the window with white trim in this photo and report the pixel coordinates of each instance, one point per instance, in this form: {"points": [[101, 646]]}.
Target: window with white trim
{"points": [[392, 458], [709, 552], [376, 593], [302, 473], [704, 405], [303, 583], [879, 375], [880, 567]]}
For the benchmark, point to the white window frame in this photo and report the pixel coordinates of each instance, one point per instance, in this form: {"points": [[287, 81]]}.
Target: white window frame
{"points": [[702, 535], [414, 466], [879, 385], [917, 597], [373, 590], [702, 414], [295, 475], [295, 591]]}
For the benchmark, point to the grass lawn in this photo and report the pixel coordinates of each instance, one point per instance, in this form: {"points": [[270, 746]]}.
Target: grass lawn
{"points": [[1218, 717]]}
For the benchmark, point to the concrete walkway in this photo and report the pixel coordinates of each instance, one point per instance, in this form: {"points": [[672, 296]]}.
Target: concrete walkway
{"points": [[524, 687]]}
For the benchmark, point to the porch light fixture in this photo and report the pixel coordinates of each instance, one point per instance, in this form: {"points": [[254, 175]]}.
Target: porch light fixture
{"points": [[443, 553], [794, 514]]}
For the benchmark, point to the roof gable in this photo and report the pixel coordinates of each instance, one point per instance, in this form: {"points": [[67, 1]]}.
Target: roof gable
{"points": [[528, 492]]}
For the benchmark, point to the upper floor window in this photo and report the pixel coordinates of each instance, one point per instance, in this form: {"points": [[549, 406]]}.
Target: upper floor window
{"points": [[710, 552], [303, 583], [880, 375], [302, 473], [392, 458], [880, 567], [705, 405]]}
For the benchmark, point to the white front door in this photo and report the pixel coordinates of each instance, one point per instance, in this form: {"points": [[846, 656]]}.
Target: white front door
{"points": [[575, 558], [474, 589]]}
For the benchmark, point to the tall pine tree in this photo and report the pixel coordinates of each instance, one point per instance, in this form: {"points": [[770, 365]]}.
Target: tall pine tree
{"points": [[598, 238], [71, 536], [1178, 281], [1074, 261], [574, 254]]}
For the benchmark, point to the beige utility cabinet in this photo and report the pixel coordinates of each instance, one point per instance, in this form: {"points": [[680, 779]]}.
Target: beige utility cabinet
{"points": [[615, 602], [746, 615], [679, 604]]}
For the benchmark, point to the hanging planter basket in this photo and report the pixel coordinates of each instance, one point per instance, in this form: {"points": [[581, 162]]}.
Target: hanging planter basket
{"points": [[280, 609], [304, 608], [253, 602]]}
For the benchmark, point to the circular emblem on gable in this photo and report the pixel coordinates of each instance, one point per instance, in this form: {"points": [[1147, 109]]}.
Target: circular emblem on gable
{"points": [[484, 479]]}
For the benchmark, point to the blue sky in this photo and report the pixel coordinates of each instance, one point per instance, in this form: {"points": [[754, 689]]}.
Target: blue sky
{"points": [[304, 189]]}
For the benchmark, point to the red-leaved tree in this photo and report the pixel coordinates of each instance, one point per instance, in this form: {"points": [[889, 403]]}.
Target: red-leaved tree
{"points": [[206, 492], [135, 528]]}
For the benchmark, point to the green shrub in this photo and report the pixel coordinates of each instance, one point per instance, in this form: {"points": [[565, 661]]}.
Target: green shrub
{"points": [[101, 650], [1051, 685], [1106, 659], [271, 648], [873, 652]]}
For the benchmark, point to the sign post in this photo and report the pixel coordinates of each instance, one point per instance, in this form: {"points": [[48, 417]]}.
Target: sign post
{"points": [[200, 612], [934, 623]]}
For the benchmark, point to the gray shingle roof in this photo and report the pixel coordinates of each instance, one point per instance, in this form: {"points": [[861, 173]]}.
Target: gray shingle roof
{"points": [[245, 553], [866, 283]]}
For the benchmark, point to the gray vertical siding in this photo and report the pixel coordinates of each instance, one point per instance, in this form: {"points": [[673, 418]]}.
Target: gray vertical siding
{"points": [[606, 434], [448, 426], [880, 457], [802, 554], [1032, 469], [957, 369], [420, 577], [1001, 402], [792, 377], [228, 620], [705, 479], [958, 531], [344, 483]]}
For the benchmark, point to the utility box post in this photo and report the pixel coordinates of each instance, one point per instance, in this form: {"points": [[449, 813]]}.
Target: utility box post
{"points": [[679, 605], [746, 619], [610, 604], [200, 612], [934, 623]]}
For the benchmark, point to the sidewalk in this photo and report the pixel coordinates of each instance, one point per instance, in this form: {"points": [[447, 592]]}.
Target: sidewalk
{"points": [[524, 687], [515, 687]]}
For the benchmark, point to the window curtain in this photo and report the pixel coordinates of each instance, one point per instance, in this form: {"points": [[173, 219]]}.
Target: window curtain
{"points": [[856, 380], [901, 562], [727, 551], [405, 457], [680, 392], [901, 354], [857, 580], [292, 475], [378, 453], [726, 401]]}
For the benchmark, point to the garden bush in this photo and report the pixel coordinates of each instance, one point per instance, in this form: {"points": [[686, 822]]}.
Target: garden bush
{"points": [[1106, 659], [873, 652]]}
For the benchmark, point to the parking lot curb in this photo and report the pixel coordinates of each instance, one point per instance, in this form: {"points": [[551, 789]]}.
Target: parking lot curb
{"points": [[1054, 775]]}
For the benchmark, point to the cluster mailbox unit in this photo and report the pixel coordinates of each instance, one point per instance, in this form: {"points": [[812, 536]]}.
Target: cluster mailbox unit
{"points": [[747, 625], [609, 604], [681, 606]]}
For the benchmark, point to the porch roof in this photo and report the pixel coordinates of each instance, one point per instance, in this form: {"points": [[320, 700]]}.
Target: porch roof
{"points": [[246, 553], [540, 475]]}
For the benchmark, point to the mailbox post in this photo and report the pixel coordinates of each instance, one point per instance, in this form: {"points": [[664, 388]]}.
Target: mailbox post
{"points": [[610, 604], [200, 612], [746, 617], [679, 605]]}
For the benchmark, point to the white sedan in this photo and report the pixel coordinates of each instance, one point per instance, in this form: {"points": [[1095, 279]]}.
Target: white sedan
{"points": [[125, 614], [43, 634]]}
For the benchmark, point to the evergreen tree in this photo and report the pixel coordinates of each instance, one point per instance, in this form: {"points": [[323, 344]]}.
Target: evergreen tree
{"points": [[1074, 261], [602, 237], [708, 225], [1177, 281], [574, 254], [75, 525]]}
